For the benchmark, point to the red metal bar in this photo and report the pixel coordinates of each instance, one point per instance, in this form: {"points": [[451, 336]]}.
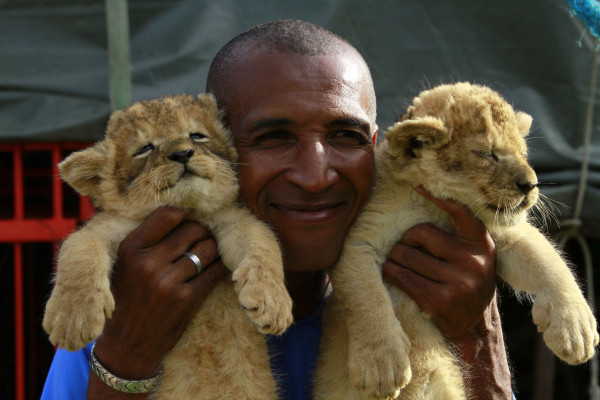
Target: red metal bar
{"points": [[18, 278], [19, 230], [36, 230], [57, 189]]}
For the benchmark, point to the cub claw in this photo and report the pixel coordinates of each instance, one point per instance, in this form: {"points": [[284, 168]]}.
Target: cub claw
{"points": [[265, 300], [569, 328], [74, 319], [381, 368]]}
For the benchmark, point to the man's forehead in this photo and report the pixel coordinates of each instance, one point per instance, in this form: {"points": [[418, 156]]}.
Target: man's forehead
{"points": [[277, 72]]}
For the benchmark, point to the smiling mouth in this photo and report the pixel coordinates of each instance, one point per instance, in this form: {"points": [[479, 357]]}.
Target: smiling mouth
{"points": [[309, 213]]}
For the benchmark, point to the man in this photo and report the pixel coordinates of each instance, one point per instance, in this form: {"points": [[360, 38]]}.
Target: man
{"points": [[301, 105]]}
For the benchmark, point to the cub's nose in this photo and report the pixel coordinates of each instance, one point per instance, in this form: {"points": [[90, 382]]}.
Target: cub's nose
{"points": [[526, 187], [181, 156]]}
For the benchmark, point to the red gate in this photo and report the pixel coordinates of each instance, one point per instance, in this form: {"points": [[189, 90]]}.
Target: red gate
{"points": [[42, 212]]}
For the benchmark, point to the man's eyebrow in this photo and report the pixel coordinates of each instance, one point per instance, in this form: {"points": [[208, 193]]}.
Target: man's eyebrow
{"points": [[352, 122], [270, 123]]}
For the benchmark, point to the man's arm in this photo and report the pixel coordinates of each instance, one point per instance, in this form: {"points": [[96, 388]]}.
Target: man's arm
{"points": [[452, 277], [156, 293]]}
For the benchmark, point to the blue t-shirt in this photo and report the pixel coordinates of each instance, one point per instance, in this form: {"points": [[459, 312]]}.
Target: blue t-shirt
{"points": [[293, 357]]}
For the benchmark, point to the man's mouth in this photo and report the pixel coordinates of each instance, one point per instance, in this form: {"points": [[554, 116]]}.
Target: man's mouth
{"points": [[309, 212]]}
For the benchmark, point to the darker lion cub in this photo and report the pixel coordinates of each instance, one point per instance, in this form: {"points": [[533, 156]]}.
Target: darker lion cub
{"points": [[174, 151], [462, 142]]}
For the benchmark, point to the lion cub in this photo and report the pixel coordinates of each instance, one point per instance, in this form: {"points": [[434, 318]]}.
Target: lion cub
{"points": [[462, 142], [174, 151]]}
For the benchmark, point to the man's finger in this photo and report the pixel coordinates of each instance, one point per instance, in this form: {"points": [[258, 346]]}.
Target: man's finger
{"points": [[181, 239], [184, 269], [413, 258], [203, 283], [467, 226], [158, 224], [415, 285]]}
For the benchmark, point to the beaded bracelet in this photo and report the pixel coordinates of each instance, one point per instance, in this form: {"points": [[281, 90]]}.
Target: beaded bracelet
{"points": [[122, 385]]}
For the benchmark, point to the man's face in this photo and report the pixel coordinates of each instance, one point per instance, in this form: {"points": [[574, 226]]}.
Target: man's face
{"points": [[301, 128]]}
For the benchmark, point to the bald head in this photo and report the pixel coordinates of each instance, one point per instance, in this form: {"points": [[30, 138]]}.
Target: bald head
{"points": [[285, 37]]}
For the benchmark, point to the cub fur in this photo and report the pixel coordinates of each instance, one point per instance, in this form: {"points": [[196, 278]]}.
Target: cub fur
{"points": [[174, 151], [462, 142]]}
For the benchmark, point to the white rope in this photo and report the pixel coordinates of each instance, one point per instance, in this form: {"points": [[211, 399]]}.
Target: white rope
{"points": [[572, 225]]}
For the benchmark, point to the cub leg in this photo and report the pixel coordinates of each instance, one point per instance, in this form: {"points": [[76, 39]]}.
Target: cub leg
{"points": [[436, 372], [81, 299], [250, 249], [220, 355], [529, 262], [378, 349]]}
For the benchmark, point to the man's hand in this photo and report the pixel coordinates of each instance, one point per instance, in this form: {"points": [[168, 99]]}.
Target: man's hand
{"points": [[157, 291], [452, 277]]}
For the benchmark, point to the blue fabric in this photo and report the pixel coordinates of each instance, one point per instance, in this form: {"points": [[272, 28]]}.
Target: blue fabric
{"points": [[293, 357], [68, 376], [294, 354], [589, 12]]}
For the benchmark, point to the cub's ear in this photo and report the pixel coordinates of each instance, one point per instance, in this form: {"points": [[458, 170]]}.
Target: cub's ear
{"points": [[523, 122], [83, 170], [210, 104], [408, 137]]}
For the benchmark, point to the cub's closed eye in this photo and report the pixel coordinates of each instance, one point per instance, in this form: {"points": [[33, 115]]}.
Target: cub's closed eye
{"points": [[144, 149], [485, 154], [197, 136]]}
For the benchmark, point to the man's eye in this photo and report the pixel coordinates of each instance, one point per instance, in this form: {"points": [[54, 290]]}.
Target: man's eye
{"points": [[349, 138], [144, 149], [272, 137], [199, 137]]}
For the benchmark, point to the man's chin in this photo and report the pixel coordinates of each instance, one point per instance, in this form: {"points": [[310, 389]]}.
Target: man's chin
{"points": [[311, 259]]}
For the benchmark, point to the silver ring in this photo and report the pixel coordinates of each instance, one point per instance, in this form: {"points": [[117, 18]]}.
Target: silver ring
{"points": [[195, 260]]}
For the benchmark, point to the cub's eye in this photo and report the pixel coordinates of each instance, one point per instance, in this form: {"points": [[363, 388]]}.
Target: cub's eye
{"points": [[485, 155], [199, 137], [144, 149]]}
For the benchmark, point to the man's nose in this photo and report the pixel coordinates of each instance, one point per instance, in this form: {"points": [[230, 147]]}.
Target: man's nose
{"points": [[312, 168]]}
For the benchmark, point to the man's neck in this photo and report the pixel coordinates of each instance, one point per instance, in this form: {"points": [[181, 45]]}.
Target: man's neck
{"points": [[307, 290]]}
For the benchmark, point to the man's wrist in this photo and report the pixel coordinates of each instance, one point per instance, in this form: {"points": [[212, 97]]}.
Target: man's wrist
{"points": [[120, 384], [127, 362], [483, 353]]}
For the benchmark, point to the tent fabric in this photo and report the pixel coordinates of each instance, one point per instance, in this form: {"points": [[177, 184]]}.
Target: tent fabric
{"points": [[54, 67], [54, 64]]}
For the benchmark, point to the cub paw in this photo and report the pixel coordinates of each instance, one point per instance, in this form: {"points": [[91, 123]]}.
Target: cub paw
{"points": [[380, 366], [265, 299], [75, 317], [569, 328]]}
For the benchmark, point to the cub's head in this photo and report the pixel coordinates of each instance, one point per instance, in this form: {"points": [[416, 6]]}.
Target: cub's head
{"points": [[169, 151], [465, 142]]}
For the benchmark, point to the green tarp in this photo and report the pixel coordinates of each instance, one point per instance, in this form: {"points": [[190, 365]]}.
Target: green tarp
{"points": [[54, 64]]}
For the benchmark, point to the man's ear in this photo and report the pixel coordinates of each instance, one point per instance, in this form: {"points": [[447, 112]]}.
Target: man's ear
{"points": [[408, 137], [82, 170], [523, 122]]}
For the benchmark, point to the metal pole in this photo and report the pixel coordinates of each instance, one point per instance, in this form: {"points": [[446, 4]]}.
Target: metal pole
{"points": [[117, 25]]}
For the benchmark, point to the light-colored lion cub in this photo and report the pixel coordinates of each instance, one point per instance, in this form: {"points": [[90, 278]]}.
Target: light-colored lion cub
{"points": [[174, 151], [462, 142]]}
